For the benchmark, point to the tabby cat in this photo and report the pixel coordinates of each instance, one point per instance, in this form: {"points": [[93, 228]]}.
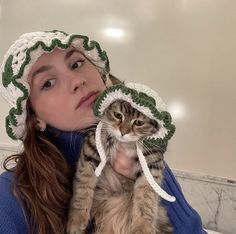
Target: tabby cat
{"points": [[119, 205]]}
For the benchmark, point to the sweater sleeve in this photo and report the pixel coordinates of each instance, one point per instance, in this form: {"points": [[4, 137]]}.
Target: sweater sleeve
{"points": [[12, 219], [184, 218]]}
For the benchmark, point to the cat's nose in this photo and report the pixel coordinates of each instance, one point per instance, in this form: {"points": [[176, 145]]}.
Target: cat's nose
{"points": [[124, 131], [124, 128]]}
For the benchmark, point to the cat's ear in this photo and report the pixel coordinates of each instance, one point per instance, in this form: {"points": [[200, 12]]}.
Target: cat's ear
{"points": [[155, 123], [114, 80]]}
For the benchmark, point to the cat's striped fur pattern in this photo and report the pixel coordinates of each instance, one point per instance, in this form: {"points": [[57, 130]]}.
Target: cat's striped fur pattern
{"points": [[120, 205]]}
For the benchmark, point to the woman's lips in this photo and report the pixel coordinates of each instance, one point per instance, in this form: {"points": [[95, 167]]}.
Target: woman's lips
{"points": [[87, 100]]}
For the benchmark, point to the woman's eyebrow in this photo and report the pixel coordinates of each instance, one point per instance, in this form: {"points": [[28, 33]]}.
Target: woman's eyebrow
{"points": [[41, 69], [69, 54], [46, 68]]}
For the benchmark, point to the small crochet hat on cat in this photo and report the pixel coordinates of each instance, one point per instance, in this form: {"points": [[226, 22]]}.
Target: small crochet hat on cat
{"points": [[19, 60], [148, 102]]}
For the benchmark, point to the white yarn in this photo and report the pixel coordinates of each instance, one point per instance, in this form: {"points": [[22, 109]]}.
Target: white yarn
{"points": [[160, 105], [100, 149], [142, 161], [150, 178], [18, 50], [119, 95]]}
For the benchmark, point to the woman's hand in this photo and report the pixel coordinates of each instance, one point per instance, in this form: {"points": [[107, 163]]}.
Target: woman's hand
{"points": [[123, 164]]}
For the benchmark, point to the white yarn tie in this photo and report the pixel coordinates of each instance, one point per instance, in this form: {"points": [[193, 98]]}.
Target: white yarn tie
{"points": [[100, 149], [142, 161], [150, 178]]}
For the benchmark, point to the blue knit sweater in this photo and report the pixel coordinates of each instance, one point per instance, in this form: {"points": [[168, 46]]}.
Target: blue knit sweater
{"points": [[183, 217]]}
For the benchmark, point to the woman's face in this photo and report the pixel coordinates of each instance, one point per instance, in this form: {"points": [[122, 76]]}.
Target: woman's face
{"points": [[64, 85]]}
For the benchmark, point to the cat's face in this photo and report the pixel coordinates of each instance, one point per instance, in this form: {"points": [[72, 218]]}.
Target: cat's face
{"points": [[127, 124]]}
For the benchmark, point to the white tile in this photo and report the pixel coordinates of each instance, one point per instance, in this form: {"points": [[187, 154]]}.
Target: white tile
{"points": [[214, 199], [184, 49]]}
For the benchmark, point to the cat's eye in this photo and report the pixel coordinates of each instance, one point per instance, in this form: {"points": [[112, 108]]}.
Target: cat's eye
{"points": [[138, 122], [118, 115]]}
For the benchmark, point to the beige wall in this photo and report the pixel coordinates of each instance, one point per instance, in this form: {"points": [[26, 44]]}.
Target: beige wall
{"points": [[184, 49]]}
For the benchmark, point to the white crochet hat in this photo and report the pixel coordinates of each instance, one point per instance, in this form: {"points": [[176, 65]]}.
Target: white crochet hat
{"points": [[147, 101], [19, 60]]}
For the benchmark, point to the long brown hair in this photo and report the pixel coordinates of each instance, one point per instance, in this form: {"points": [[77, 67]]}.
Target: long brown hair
{"points": [[42, 181]]}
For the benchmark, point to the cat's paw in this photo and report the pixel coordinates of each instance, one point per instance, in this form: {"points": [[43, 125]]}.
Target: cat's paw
{"points": [[77, 223]]}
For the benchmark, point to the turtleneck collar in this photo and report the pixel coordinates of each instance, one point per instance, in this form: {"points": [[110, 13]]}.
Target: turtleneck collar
{"points": [[69, 143]]}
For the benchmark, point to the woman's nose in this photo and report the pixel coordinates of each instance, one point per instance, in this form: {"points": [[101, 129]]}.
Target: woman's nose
{"points": [[76, 83]]}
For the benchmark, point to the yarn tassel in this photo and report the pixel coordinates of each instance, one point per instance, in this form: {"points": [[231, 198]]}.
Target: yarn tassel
{"points": [[100, 149], [150, 178], [142, 161]]}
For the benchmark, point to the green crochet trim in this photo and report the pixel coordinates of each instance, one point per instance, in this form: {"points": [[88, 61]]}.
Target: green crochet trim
{"points": [[141, 99], [8, 77], [55, 31]]}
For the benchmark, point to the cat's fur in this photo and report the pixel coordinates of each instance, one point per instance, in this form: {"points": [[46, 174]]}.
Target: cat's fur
{"points": [[120, 205]]}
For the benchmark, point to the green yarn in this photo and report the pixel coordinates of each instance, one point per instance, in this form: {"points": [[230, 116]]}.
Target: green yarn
{"points": [[55, 31], [144, 96], [8, 76], [142, 100], [9, 129]]}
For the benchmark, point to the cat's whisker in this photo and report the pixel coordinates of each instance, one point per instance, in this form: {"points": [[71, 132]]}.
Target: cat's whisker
{"points": [[106, 122], [109, 182], [107, 127], [144, 147], [155, 146], [150, 151], [85, 130]]}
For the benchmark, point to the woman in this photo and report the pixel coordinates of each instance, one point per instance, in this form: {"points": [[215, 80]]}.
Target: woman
{"points": [[51, 80]]}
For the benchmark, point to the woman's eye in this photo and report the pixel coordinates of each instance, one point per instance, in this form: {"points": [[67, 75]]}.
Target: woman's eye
{"points": [[138, 122], [48, 84], [118, 115], [77, 64]]}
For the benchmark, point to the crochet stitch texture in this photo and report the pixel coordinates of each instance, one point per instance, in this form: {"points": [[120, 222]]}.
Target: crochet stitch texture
{"points": [[149, 103], [19, 60], [146, 101]]}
